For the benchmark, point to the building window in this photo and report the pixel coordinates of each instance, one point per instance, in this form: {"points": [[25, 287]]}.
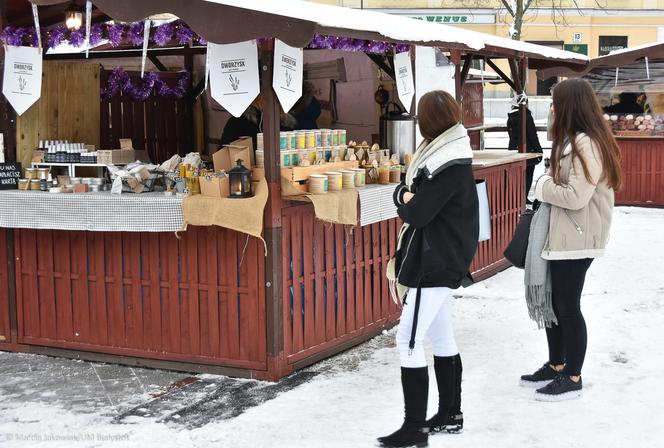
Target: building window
{"points": [[607, 44]]}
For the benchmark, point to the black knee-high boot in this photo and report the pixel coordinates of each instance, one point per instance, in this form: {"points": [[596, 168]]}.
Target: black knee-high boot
{"points": [[414, 431], [449, 418]]}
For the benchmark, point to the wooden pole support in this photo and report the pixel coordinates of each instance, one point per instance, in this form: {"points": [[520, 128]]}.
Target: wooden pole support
{"points": [[276, 361]]}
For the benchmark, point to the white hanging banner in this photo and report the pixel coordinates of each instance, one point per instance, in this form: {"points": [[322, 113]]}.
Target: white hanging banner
{"points": [[22, 79], [234, 82], [146, 38], [88, 23], [288, 74], [403, 69], [35, 16]]}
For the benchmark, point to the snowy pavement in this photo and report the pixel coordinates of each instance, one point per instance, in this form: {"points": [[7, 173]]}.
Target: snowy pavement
{"points": [[349, 400]]}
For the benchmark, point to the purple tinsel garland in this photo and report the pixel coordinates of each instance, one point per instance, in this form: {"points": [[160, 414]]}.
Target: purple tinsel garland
{"points": [[132, 34], [120, 81]]}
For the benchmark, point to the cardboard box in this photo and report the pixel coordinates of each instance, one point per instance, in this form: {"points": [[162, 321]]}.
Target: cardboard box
{"points": [[81, 188], [225, 158], [116, 156], [214, 185]]}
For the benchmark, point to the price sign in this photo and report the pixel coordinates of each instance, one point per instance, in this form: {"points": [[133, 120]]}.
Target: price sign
{"points": [[10, 173]]}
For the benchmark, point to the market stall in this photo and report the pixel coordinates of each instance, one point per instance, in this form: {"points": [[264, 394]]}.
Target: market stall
{"points": [[630, 86], [256, 286]]}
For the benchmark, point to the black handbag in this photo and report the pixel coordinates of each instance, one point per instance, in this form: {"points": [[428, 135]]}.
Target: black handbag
{"points": [[516, 250]]}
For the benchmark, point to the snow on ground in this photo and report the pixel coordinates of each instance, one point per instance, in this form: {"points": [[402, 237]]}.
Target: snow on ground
{"points": [[622, 406]]}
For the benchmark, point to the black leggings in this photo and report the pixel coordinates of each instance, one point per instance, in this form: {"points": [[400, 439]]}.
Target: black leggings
{"points": [[568, 340]]}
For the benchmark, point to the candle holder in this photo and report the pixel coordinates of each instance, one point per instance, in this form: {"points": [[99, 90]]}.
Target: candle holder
{"points": [[239, 179]]}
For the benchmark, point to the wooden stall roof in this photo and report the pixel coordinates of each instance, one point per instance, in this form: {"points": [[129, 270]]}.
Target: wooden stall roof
{"points": [[618, 58], [295, 22]]}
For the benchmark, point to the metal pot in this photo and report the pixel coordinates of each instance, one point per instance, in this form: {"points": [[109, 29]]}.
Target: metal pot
{"points": [[397, 131]]}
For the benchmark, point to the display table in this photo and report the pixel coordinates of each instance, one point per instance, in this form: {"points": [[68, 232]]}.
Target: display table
{"points": [[643, 171]]}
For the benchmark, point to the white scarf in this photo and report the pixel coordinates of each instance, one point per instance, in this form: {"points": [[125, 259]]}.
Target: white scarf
{"points": [[433, 157]]}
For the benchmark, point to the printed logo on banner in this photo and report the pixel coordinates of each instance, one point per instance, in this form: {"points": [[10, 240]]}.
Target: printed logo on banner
{"points": [[234, 82], [22, 78], [288, 74], [404, 74]]}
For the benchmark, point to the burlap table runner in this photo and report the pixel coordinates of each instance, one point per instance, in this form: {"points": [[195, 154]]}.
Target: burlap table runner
{"points": [[337, 207], [241, 215]]}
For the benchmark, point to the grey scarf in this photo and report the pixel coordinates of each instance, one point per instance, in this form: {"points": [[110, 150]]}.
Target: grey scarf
{"points": [[537, 276]]}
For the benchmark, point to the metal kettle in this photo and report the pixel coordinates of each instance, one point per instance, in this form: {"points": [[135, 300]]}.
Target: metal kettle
{"points": [[397, 131]]}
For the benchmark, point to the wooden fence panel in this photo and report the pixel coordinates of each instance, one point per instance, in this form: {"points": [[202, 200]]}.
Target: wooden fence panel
{"points": [[158, 124], [144, 295], [334, 258], [506, 191], [643, 172], [5, 329]]}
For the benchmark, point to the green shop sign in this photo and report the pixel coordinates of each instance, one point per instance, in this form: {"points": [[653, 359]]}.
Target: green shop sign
{"points": [[452, 19], [577, 48]]}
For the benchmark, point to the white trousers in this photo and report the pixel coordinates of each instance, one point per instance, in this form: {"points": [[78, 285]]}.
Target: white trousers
{"points": [[434, 320]]}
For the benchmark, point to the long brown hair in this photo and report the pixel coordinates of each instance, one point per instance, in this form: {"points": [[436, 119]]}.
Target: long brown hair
{"points": [[437, 112], [575, 110]]}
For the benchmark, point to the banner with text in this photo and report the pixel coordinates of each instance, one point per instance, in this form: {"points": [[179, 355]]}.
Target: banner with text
{"points": [[22, 79], [288, 73], [403, 68], [234, 81]]}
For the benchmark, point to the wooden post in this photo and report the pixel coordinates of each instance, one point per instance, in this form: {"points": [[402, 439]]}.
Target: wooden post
{"points": [[276, 359], [455, 56]]}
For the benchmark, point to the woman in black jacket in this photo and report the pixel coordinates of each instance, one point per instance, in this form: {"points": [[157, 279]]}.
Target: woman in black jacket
{"points": [[439, 206], [532, 141]]}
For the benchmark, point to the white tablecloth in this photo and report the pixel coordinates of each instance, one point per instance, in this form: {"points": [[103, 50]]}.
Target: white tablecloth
{"points": [[99, 212]]}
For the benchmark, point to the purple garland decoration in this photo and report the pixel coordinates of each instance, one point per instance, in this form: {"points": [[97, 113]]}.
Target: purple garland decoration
{"points": [[162, 35], [120, 81]]}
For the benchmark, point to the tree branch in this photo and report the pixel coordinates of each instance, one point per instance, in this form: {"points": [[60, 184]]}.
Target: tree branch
{"points": [[508, 7]]}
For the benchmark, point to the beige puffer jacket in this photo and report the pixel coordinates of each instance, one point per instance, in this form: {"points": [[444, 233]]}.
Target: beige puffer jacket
{"points": [[581, 211]]}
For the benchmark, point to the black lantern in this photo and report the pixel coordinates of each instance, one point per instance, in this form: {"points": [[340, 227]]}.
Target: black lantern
{"points": [[239, 179]]}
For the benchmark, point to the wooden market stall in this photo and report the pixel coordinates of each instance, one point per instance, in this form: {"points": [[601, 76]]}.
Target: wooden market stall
{"points": [[640, 132], [215, 299]]}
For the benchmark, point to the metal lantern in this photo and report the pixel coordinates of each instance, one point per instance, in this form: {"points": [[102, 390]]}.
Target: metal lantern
{"points": [[239, 179]]}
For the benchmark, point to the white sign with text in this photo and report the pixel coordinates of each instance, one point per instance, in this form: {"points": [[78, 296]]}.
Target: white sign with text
{"points": [[234, 81], [22, 79], [403, 69], [288, 73]]}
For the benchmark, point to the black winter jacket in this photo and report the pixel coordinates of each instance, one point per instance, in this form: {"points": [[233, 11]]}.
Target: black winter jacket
{"points": [[532, 141], [440, 243]]}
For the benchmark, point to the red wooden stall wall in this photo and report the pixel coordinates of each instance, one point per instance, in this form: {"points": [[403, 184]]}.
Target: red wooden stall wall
{"points": [[5, 331], [196, 299], [334, 285], [643, 172], [160, 125], [506, 190]]}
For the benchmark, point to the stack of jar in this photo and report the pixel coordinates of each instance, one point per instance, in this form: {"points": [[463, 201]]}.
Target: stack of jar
{"points": [[326, 145], [62, 151]]}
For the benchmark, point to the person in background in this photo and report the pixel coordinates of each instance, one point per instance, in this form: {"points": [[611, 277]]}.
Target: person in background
{"points": [[307, 109], [628, 104], [439, 206], [532, 141], [585, 172]]}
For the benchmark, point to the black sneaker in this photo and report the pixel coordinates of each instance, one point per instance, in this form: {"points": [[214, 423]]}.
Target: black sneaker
{"points": [[453, 424], [562, 388], [542, 377]]}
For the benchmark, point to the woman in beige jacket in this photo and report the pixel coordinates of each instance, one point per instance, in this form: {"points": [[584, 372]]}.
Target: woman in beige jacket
{"points": [[585, 172]]}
